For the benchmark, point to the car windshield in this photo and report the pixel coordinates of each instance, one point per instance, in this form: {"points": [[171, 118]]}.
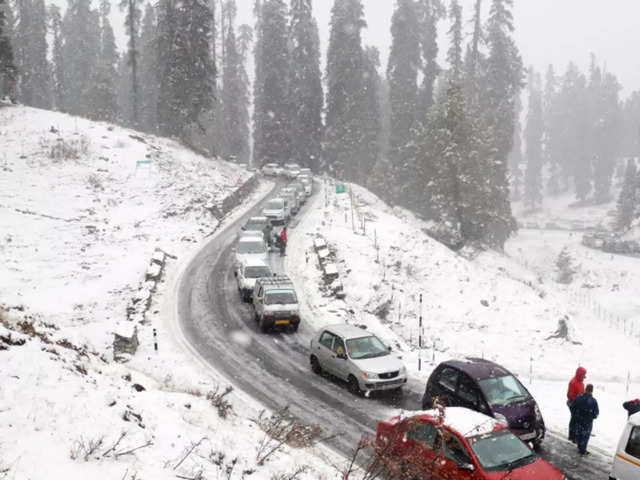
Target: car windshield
{"points": [[501, 451], [274, 204], [255, 225], [251, 246], [503, 391], [257, 272], [280, 297], [366, 347]]}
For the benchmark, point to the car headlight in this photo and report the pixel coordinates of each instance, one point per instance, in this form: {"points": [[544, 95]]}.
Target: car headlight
{"points": [[501, 419], [369, 375]]}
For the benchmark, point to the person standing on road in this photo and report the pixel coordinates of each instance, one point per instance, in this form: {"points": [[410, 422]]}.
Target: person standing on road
{"points": [[584, 411], [632, 406], [576, 387]]}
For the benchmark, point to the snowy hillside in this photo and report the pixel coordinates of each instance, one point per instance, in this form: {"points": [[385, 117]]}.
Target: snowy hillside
{"points": [[83, 209], [491, 305]]}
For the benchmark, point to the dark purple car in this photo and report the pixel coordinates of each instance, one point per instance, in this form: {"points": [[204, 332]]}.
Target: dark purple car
{"points": [[486, 387]]}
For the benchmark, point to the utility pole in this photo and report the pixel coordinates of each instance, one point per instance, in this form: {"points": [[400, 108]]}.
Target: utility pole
{"points": [[420, 337]]}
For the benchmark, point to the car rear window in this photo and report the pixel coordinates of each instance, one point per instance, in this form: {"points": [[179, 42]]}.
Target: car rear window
{"points": [[274, 204], [251, 247], [280, 297], [257, 272]]}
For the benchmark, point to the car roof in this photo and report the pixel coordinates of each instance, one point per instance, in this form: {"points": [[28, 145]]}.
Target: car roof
{"points": [[468, 423], [251, 236], [258, 219], [347, 331], [635, 419], [253, 262], [478, 368], [276, 198]]}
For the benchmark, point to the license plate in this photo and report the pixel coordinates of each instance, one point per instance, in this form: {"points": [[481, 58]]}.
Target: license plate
{"points": [[528, 436], [282, 322]]}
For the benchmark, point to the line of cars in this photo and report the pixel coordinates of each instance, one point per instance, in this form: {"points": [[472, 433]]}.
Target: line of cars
{"points": [[272, 295]]}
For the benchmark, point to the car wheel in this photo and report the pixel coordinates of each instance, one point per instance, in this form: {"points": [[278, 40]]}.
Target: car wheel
{"points": [[315, 365], [537, 445], [263, 326], [353, 386]]}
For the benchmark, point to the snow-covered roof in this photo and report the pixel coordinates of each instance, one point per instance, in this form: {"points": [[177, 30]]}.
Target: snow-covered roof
{"points": [[466, 422], [347, 331]]}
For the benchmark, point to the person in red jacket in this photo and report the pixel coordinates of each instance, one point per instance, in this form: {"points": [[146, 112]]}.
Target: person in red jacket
{"points": [[576, 387]]}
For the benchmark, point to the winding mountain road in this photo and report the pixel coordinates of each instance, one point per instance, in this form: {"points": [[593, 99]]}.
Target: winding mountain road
{"points": [[274, 369]]}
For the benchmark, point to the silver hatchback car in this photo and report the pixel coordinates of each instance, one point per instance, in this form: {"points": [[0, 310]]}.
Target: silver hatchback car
{"points": [[358, 357]]}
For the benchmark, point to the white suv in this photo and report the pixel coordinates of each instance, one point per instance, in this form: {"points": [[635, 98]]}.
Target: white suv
{"points": [[271, 169], [276, 303], [250, 248], [276, 211], [358, 357], [247, 274]]}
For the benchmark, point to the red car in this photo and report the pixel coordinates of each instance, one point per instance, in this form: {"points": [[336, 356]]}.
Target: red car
{"points": [[458, 443]]}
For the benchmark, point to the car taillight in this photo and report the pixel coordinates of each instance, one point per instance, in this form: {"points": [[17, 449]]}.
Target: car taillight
{"points": [[296, 317], [268, 317]]}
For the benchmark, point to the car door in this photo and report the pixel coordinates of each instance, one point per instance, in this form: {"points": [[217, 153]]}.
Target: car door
{"points": [[340, 359], [418, 449], [468, 394], [324, 350], [455, 461], [629, 467], [445, 385]]}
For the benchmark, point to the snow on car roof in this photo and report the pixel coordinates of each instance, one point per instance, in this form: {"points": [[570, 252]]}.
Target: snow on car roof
{"points": [[466, 422], [347, 331]]}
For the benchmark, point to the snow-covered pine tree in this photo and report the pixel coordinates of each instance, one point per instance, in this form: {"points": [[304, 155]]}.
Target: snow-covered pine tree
{"points": [[475, 60], [402, 74], [553, 132], [370, 146], [430, 12], [629, 197], [148, 59], [271, 140], [533, 134], [245, 39], [504, 82], [235, 99], [80, 50], [258, 83], [102, 91], [305, 86], [30, 32], [8, 71], [606, 136], [55, 28], [133, 17], [515, 156], [565, 267], [345, 84]]}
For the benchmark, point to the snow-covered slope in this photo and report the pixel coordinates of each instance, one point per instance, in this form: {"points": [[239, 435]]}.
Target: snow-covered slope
{"points": [[83, 208], [490, 305]]}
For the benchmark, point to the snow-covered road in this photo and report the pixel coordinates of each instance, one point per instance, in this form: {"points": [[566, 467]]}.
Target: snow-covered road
{"points": [[273, 369]]}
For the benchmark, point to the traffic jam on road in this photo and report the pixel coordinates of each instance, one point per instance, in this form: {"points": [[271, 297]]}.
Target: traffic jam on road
{"points": [[478, 421]]}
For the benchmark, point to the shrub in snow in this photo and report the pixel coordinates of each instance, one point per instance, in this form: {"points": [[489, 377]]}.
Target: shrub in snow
{"points": [[565, 267]]}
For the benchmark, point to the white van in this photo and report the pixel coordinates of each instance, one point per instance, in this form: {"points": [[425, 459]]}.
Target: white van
{"points": [[626, 463]]}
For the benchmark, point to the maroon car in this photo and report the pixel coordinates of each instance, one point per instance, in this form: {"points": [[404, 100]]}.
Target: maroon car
{"points": [[486, 387]]}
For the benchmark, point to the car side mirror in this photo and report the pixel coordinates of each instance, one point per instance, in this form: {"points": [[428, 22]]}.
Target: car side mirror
{"points": [[466, 467], [243, 228], [342, 356]]}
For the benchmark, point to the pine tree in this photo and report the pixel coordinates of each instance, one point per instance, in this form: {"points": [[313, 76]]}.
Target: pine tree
{"points": [[430, 12], [235, 99], [402, 74], [147, 65], [245, 38], [8, 71], [534, 134], [565, 267], [553, 130], [271, 140], [345, 84], [102, 90], [369, 152], [30, 33], [258, 84], [55, 27], [515, 156], [629, 197], [133, 17], [504, 81], [81, 47], [305, 87]]}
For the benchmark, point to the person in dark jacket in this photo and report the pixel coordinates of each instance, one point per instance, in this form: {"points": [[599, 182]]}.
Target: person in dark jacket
{"points": [[632, 406], [576, 387], [584, 411]]}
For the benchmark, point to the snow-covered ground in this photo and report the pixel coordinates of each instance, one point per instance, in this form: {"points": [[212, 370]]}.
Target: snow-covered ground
{"points": [[491, 305], [83, 207]]}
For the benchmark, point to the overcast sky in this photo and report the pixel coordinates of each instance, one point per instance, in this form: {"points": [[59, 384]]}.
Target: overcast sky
{"points": [[547, 32]]}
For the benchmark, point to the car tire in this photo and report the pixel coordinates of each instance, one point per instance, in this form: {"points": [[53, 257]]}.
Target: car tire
{"points": [[354, 387], [263, 326], [315, 365]]}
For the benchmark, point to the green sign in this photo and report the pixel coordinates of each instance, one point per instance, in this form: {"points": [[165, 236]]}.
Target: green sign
{"points": [[340, 188]]}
